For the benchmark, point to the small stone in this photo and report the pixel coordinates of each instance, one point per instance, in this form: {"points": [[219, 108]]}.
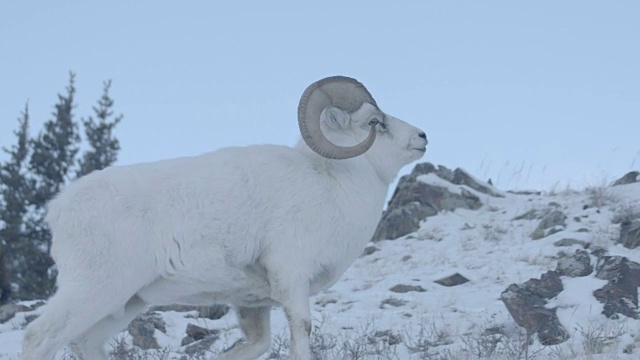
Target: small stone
{"points": [[402, 288], [570, 242], [198, 332], [452, 280], [392, 302]]}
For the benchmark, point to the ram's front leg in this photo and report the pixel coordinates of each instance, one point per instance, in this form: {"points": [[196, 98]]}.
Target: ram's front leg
{"points": [[293, 295]]}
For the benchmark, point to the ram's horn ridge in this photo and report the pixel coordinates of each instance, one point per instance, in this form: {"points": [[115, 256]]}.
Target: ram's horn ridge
{"points": [[344, 93]]}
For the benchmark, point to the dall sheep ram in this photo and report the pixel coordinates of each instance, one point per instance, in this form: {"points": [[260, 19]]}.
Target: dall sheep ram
{"points": [[254, 227]]}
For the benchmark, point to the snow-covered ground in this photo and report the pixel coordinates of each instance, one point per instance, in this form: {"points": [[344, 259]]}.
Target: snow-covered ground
{"points": [[467, 321]]}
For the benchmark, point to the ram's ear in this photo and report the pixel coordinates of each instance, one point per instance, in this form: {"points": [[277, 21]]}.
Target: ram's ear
{"points": [[335, 118]]}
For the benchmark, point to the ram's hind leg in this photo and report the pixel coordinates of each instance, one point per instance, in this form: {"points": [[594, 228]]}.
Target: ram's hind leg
{"points": [[69, 313], [90, 346], [255, 324]]}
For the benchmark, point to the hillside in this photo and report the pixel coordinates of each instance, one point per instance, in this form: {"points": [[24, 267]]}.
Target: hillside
{"points": [[453, 283]]}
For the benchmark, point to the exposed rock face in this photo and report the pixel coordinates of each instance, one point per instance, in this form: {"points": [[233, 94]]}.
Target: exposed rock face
{"points": [[527, 305], [630, 234], [620, 295], [415, 200], [550, 223], [629, 178]]}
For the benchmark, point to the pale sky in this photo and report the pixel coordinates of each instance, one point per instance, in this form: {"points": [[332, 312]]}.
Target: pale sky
{"points": [[533, 95]]}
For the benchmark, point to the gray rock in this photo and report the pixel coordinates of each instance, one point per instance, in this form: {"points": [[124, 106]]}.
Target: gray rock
{"points": [[202, 346], [629, 178], [527, 305], [630, 234], [197, 333], [8, 311], [142, 330], [402, 288], [392, 302], [369, 250], [413, 201], [576, 265], [532, 215], [386, 336], [461, 177], [570, 242], [620, 294], [551, 223], [452, 280]]}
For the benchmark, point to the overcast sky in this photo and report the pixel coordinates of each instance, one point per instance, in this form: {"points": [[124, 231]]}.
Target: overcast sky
{"points": [[533, 95]]}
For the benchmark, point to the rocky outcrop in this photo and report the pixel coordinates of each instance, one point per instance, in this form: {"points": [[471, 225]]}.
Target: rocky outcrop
{"points": [[629, 178], [415, 200], [630, 234], [620, 294], [527, 304]]}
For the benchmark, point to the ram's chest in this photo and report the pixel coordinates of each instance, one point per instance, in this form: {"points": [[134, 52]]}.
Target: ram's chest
{"points": [[341, 246]]}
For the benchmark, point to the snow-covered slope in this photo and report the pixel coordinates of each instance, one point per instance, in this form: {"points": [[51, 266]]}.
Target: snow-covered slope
{"points": [[368, 316]]}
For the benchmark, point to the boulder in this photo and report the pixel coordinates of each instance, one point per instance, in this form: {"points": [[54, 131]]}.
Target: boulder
{"points": [[576, 265], [415, 200], [620, 294], [142, 330], [527, 305], [628, 178], [630, 234]]}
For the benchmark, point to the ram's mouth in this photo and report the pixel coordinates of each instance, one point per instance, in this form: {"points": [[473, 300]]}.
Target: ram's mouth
{"points": [[423, 149]]}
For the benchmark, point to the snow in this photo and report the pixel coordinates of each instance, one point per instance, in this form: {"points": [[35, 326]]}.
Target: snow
{"points": [[487, 247]]}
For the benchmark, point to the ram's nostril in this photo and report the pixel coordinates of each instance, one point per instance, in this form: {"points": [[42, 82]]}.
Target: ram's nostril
{"points": [[423, 135]]}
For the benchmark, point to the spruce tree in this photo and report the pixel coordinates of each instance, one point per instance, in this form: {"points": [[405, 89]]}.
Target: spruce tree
{"points": [[52, 159], [37, 169], [99, 135], [16, 190]]}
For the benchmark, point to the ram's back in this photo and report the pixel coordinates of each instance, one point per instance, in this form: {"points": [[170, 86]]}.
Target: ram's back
{"points": [[201, 205]]}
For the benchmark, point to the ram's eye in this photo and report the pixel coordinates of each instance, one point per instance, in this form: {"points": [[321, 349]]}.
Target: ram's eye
{"points": [[383, 126]]}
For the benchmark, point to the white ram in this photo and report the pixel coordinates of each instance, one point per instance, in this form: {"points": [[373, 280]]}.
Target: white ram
{"points": [[254, 227]]}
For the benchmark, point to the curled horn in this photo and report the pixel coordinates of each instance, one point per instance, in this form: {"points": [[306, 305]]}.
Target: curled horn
{"points": [[344, 93]]}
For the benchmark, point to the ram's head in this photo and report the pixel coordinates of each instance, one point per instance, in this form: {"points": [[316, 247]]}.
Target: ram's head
{"points": [[341, 92]]}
